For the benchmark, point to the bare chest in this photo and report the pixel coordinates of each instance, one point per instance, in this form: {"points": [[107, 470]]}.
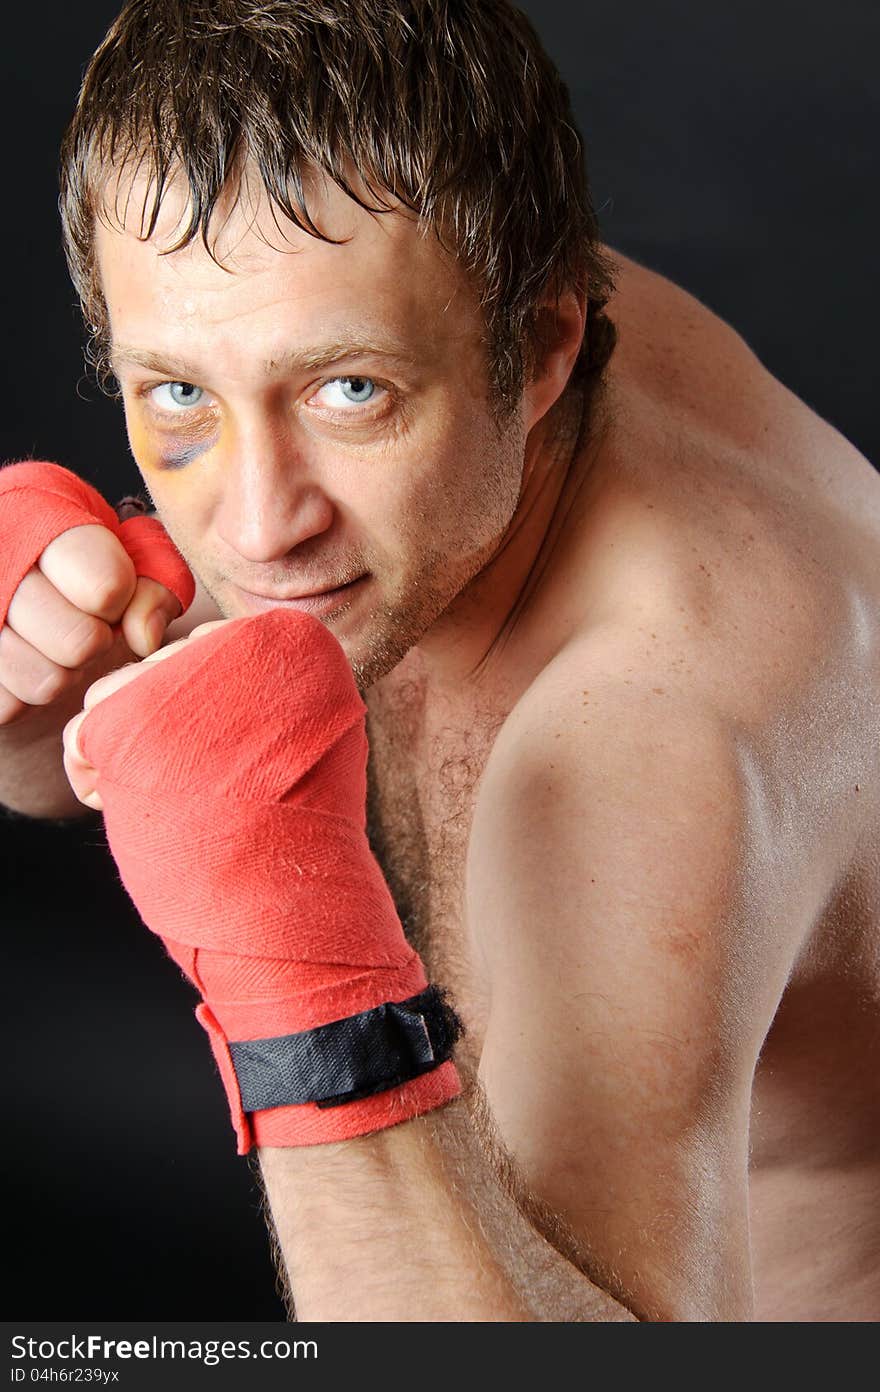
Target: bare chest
{"points": [[815, 1124], [422, 794], [815, 1167]]}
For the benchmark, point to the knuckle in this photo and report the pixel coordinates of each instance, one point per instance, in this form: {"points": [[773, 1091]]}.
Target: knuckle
{"points": [[108, 589], [27, 676], [84, 640], [49, 687], [100, 574]]}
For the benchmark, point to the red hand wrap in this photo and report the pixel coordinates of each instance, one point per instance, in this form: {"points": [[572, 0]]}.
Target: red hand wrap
{"points": [[233, 778], [39, 501]]}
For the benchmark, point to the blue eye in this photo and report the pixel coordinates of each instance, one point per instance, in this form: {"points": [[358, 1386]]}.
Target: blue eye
{"points": [[356, 388], [182, 394], [356, 391]]}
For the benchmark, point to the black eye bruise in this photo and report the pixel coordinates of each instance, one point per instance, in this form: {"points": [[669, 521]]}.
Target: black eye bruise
{"points": [[178, 459]]}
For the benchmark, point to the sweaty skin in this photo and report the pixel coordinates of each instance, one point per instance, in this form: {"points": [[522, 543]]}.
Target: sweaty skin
{"points": [[621, 674], [730, 546]]}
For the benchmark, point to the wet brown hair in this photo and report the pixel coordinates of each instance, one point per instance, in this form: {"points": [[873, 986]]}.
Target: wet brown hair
{"points": [[450, 107]]}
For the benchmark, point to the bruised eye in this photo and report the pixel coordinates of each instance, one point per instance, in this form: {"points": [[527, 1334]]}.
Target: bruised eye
{"points": [[175, 396], [352, 391]]}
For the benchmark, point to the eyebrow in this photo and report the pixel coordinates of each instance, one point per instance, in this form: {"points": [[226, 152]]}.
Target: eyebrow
{"points": [[299, 359]]}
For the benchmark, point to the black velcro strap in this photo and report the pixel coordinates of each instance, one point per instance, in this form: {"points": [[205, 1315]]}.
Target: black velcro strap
{"points": [[348, 1059]]}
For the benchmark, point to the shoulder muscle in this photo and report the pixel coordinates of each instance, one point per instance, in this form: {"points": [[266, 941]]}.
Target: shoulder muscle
{"points": [[606, 885]]}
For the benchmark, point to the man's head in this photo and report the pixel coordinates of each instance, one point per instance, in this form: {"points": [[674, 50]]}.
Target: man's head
{"points": [[257, 194]]}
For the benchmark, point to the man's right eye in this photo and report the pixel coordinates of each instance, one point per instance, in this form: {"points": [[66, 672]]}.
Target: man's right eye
{"points": [[176, 396]]}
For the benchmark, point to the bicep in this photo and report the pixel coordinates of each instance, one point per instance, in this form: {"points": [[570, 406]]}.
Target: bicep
{"points": [[605, 886]]}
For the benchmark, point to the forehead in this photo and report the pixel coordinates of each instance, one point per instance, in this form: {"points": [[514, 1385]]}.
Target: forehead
{"points": [[270, 283]]}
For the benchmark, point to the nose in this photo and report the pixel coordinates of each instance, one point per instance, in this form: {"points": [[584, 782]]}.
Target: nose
{"points": [[270, 501]]}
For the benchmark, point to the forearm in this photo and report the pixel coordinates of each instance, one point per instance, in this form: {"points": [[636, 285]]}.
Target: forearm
{"points": [[397, 1226], [371, 1229]]}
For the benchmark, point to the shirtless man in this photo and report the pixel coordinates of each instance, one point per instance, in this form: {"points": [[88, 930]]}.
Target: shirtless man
{"points": [[619, 646]]}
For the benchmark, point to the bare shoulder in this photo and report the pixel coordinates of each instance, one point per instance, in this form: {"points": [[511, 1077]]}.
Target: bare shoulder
{"points": [[709, 743], [671, 340], [739, 550], [607, 887], [678, 354], [640, 789]]}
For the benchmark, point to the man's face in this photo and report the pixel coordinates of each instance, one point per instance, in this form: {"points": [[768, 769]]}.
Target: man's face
{"points": [[307, 415]]}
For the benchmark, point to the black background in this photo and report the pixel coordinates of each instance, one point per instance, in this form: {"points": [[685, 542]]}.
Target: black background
{"points": [[731, 148]]}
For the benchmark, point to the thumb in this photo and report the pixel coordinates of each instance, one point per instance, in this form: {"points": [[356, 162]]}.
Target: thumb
{"points": [[151, 609]]}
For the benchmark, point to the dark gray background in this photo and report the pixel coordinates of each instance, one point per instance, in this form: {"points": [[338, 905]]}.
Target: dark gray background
{"points": [[730, 147]]}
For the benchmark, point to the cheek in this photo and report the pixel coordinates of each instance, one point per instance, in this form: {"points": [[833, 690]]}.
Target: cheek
{"points": [[145, 454], [471, 484], [162, 464], [155, 454], [170, 493]]}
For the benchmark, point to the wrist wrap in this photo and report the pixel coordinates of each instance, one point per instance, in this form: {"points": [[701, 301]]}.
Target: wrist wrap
{"points": [[39, 501], [233, 778], [347, 1059]]}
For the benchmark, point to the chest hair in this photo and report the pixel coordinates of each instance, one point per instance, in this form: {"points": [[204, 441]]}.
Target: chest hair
{"points": [[422, 787]]}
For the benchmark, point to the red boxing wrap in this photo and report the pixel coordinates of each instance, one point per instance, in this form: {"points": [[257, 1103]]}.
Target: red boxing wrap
{"points": [[39, 501], [233, 779]]}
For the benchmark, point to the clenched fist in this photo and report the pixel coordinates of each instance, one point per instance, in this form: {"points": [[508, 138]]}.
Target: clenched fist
{"points": [[231, 772], [81, 775], [72, 576]]}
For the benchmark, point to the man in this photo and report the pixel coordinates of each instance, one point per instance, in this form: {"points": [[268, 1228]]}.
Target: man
{"points": [[613, 610]]}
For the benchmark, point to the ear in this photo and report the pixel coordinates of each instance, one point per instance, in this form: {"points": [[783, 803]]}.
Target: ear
{"points": [[560, 332]]}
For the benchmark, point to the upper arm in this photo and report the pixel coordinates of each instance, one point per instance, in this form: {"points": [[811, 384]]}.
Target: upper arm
{"points": [[607, 887]]}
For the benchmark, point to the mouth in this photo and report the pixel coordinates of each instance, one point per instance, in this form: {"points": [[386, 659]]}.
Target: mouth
{"points": [[317, 602]]}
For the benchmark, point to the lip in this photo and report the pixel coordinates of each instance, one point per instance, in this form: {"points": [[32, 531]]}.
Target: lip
{"points": [[319, 602]]}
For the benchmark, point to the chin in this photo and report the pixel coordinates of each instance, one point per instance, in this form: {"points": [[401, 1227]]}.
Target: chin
{"points": [[373, 660], [376, 641], [384, 638]]}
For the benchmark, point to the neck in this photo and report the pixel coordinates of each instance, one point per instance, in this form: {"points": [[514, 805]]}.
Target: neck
{"points": [[561, 452]]}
